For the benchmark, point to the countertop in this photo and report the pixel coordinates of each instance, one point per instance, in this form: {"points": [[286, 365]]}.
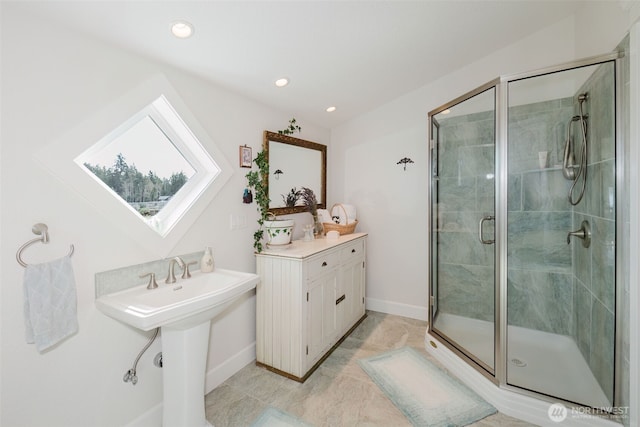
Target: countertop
{"points": [[302, 249]]}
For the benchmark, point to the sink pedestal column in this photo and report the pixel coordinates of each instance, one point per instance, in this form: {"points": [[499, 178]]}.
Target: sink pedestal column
{"points": [[184, 362]]}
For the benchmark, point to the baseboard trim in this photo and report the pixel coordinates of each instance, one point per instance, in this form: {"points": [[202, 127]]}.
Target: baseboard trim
{"points": [[213, 378], [152, 417], [226, 369], [398, 309]]}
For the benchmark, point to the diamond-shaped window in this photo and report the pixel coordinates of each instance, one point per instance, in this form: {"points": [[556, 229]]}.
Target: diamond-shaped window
{"points": [[153, 164]]}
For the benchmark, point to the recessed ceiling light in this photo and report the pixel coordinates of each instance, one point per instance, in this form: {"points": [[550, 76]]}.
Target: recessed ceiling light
{"points": [[182, 29], [331, 109], [282, 82]]}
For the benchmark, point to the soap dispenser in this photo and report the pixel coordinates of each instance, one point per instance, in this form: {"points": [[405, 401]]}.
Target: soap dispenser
{"points": [[206, 263]]}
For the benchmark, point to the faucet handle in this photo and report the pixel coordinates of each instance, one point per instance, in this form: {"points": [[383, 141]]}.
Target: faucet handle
{"points": [[584, 233], [185, 273], [152, 280]]}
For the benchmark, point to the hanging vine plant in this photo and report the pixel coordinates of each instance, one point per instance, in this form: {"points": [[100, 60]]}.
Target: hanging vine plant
{"points": [[258, 182], [291, 129]]}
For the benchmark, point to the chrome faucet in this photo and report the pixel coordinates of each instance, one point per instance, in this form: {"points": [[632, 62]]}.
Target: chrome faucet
{"points": [[171, 277]]}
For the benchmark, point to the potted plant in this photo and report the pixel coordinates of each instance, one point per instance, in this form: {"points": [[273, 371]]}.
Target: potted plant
{"points": [[291, 129], [311, 202], [279, 231], [291, 198], [258, 182]]}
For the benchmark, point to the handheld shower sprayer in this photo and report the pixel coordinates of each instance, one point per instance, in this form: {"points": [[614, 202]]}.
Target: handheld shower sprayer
{"points": [[569, 158], [571, 170]]}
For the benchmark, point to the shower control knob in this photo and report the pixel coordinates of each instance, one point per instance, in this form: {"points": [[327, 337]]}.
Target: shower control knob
{"points": [[583, 233]]}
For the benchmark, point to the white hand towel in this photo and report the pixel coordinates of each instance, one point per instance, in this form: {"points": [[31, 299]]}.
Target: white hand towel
{"points": [[346, 215], [50, 303]]}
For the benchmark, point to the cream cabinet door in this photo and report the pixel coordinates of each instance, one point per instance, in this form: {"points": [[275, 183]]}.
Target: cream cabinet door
{"points": [[322, 322], [352, 282]]}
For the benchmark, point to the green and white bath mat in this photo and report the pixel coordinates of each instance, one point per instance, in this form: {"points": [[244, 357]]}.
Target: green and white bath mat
{"points": [[424, 393]]}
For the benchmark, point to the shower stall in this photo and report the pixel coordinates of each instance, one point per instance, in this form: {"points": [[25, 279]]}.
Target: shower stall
{"points": [[524, 209]]}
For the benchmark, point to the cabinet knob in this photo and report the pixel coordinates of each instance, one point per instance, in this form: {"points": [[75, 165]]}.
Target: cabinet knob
{"points": [[353, 251], [324, 264]]}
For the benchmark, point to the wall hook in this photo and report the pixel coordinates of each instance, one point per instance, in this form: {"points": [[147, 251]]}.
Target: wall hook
{"points": [[404, 162], [277, 173]]}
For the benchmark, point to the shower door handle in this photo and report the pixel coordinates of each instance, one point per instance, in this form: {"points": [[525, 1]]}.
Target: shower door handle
{"points": [[481, 229]]}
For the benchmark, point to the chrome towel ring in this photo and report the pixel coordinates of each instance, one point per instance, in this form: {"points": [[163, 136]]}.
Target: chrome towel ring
{"points": [[38, 229]]}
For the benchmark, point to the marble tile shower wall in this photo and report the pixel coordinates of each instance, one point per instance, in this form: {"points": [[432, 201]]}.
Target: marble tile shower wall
{"points": [[539, 275], [465, 194], [594, 268], [539, 278]]}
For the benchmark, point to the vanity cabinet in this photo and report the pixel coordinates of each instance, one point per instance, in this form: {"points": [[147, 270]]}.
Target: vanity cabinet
{"points": [[310, 297]]}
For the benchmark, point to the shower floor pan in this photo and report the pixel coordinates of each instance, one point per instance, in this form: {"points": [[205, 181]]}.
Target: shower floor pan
{"points": [[540, 361]]}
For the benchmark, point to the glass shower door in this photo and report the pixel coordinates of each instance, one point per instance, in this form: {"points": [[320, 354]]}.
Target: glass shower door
{"points": [[462, 223], [561, 286]]}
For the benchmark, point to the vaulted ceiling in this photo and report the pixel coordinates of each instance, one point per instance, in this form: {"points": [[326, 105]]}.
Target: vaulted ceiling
{"points": [[354, 55]]}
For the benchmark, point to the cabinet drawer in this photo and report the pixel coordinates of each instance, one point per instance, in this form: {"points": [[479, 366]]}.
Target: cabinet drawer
{"points": [[322, 264], [352, 251]]}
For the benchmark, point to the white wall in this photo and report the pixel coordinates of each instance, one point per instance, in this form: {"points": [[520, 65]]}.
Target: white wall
{"points": [[52, 80], [392, 203], [602, 24]]}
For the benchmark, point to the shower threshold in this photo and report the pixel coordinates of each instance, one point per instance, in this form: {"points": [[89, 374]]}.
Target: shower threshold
{"points": [[543, 362]]}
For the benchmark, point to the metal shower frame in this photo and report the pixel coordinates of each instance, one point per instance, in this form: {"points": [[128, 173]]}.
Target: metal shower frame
{"points": [[498, 374]]}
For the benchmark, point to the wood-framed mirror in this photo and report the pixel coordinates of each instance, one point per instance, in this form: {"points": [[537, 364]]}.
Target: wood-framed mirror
{"points": [[294, 163]]}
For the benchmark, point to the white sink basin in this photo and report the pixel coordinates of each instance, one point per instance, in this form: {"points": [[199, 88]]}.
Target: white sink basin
{"points": [[183, 310], [179, 305]]}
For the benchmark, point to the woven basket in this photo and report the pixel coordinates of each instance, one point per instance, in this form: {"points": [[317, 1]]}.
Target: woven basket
{"points": [[340, 228]]}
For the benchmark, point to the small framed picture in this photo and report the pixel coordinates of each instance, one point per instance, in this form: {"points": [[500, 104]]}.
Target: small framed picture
{"points": [[245, 156]]}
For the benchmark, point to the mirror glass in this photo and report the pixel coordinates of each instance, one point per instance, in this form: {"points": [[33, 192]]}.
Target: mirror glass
{"points": [[294, 163], [153, 164]]}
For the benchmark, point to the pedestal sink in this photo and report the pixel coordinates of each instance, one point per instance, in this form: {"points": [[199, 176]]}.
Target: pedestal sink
{"points": [[183, 311]]}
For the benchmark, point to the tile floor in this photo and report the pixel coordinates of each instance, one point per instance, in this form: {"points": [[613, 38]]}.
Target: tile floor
{"points": [[339, 393]]}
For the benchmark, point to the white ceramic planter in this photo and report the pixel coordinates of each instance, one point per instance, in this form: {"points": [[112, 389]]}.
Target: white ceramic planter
{"points": [[279, 231]]}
